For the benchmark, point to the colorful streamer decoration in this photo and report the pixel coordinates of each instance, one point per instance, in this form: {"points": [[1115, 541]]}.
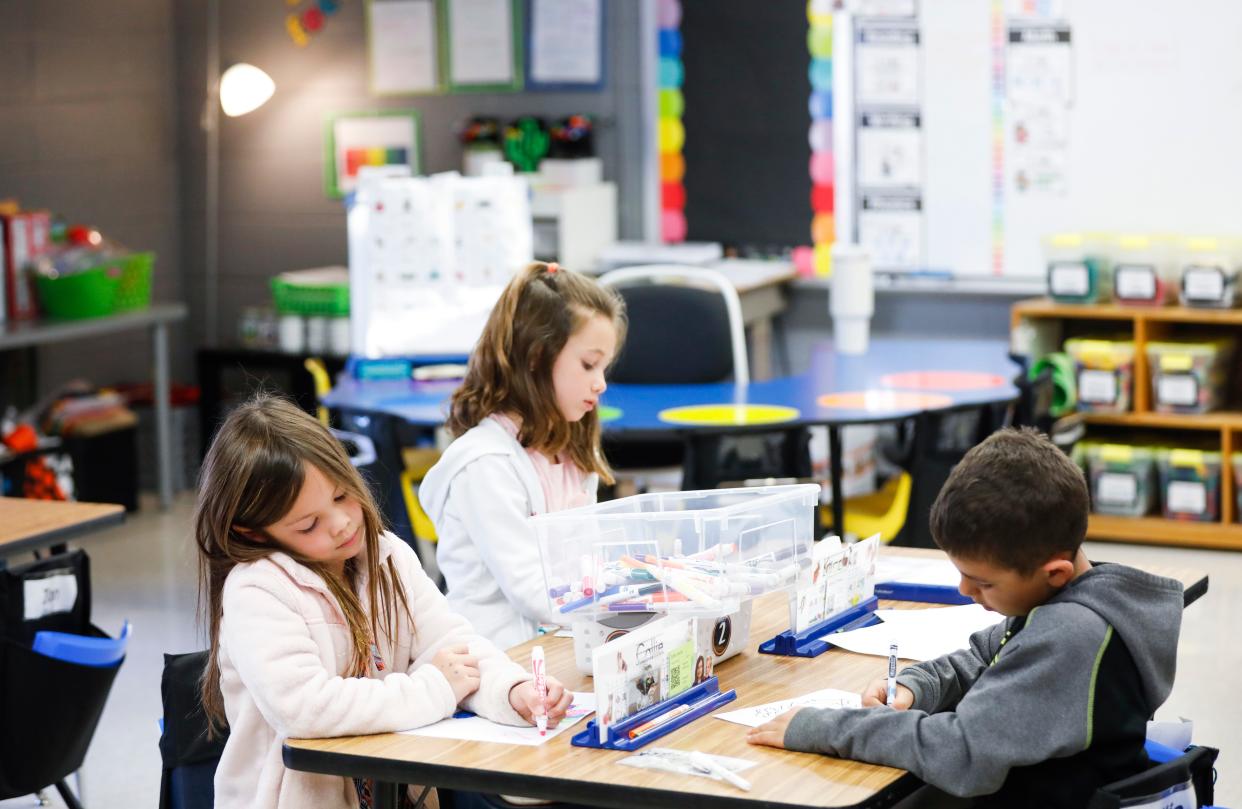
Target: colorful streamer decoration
{"points": [[817, 259], [671, 135]]}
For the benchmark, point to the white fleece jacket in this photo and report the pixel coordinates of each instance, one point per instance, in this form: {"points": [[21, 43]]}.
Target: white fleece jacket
{"points": [[480, 496], [284, 647]]}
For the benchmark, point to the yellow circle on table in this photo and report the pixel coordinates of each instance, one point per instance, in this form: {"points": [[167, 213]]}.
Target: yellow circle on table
{"points": [[736, 415]]}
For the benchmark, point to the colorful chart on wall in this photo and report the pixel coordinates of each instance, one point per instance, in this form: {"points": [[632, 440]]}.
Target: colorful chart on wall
{"points": [[353, 140], [735, 415]]}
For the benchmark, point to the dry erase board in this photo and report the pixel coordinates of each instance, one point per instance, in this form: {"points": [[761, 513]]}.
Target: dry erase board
{"points": [[746, 152], [1037, 116]]}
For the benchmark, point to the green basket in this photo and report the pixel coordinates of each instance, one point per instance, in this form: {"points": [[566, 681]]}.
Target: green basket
{"points": [[117, 286], [330, 300]]}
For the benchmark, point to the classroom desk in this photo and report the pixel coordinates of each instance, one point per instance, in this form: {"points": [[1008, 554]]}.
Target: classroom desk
{"points": [[29, 525], [561, 772], [895, 380], [18, 334]]}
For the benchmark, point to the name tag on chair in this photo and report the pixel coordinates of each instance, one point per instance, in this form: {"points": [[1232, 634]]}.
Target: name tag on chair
{"points": [[49, 595]]}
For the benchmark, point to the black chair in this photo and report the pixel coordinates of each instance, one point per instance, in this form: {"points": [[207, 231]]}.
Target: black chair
{"points": [[49, 708], [1189, 777], [686, 328], [189, 756]]}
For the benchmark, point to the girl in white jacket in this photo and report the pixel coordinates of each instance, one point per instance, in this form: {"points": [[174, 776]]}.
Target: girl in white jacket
{"points": [[322, 624], [527, 443]]}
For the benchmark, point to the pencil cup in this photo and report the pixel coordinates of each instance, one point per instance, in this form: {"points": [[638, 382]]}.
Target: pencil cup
{"points": [[852, 300]]}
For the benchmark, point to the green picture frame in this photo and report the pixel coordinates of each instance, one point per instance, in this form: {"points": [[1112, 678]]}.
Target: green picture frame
{"points": [[517, 82], [382, 134]]}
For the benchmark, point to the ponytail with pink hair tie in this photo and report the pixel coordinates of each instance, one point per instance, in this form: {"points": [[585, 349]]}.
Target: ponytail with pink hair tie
{"points": [[553, 267]]}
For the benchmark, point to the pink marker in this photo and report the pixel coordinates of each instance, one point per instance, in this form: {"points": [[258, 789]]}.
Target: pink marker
{"points": [[537, 667]]}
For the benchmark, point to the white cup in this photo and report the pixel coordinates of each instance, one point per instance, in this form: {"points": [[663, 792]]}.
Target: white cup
{"points": [[292, 334], [852, 299]]}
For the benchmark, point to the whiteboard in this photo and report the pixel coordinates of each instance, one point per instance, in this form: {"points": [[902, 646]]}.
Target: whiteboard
{"points": [[1151, 126]]}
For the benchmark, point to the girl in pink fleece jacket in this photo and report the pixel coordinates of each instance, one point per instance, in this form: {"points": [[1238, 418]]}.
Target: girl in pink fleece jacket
{"points": [[321, 623]]}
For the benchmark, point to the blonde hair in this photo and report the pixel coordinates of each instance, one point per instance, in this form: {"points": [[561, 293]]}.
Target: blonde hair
{"points": [[510, 369], [251, 477]]}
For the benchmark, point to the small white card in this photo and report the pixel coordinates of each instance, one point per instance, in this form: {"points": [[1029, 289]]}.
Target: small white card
{"points": [[49, 595]]}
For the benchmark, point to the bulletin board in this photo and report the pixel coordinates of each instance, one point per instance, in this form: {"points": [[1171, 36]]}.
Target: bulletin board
{"points": [[746, 152], [1006, 121]]}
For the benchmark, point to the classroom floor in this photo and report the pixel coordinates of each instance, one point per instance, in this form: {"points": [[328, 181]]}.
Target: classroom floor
{"points": [[144, 571]]}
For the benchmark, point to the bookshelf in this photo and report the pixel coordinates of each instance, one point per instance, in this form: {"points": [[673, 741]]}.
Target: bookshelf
{"points": [[1041, 325]]}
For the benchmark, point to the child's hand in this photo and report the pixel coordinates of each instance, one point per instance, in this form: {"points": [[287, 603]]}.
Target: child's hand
{"points": [[460, 668], [772, 733], [876, 693], [526, 702]]}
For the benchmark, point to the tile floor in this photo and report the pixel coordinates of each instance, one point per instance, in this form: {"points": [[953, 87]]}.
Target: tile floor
{"points": [[144, 571]]}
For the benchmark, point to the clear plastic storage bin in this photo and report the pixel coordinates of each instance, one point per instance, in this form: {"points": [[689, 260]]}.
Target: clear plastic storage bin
{"points": [[1237, 486], [1190, 484], [1189, 377], [1079, 270], [1122, 478], [1103, 373], [1144, 270], [1209, 272], [698, 553]]}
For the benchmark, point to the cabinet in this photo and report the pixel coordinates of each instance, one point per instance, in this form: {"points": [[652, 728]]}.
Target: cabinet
{"points": [[1041, 326]]}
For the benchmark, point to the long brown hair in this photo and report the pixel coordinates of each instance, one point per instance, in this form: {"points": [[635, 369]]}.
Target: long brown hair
{"points": [[251, 477], [510, 370]]}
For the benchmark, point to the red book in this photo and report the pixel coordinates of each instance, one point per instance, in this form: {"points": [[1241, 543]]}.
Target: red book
{"points": [[26, 237]]}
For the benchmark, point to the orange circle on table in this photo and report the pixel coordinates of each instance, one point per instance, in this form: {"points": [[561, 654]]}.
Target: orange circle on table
{"points": [[736, 415], [944, 380], [883, 400]]}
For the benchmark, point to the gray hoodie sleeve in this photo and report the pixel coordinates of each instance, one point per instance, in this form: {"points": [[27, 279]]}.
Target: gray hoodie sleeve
{"points": [[939, 684], [1033, 704]]}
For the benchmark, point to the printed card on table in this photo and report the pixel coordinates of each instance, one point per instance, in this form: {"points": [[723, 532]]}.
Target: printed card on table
{"points": [[645, 666], [839, 578]]}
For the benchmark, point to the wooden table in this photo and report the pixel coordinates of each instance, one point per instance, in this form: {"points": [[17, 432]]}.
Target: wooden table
{"points": [[28, 525], [561, 772]]}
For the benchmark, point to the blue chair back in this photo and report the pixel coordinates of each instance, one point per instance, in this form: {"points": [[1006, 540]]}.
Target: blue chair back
{"points": [[83, 649]]}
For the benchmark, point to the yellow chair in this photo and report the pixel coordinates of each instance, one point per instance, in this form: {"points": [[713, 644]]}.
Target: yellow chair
{"points": [[882, 512], [417, 463], [323, 384]]}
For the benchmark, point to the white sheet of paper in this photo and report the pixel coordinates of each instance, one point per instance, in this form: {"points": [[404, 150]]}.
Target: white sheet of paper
{"points": [[403, 46], [478, 729], [825, 698], [916, 571], [919, 634], [481, 36], [565, 41]]}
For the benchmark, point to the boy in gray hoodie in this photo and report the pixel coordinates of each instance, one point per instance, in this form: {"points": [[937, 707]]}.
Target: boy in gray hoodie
{"points": [[1051, 703]]}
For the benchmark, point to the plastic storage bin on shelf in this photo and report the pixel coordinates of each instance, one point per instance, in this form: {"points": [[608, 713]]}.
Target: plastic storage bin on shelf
{"points": [[1122, 478], [322, 291], [1190, 484], [1189, 377], [1144, 271], [1209, 272], [701, 553], [1079, 269], [1103, 373], [119, 285]]}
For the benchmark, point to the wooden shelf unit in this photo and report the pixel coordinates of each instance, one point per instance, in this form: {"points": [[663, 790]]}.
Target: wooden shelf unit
{"points": [[1148, 324]]}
